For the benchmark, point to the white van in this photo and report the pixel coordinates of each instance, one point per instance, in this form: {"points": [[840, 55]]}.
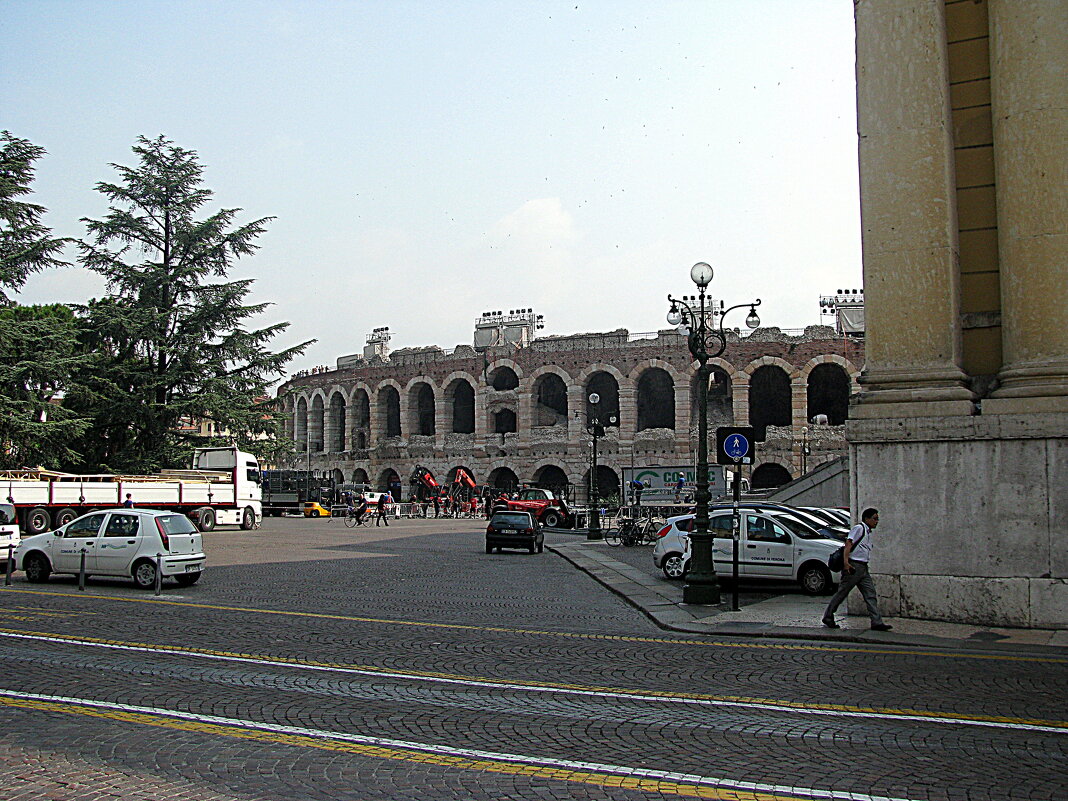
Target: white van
{"points": [[117, 542], [768, 548]]}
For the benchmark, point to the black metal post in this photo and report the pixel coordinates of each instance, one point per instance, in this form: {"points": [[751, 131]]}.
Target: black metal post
{"points": [[737, 530], [594, 530], [159, 573], [81, 572], [10, 564]]}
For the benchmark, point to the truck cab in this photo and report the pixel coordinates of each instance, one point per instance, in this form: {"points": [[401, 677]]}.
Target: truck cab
{"points": [[547, 509]]}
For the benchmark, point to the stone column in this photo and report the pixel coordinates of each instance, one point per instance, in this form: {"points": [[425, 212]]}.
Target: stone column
{"points": [[576, 417], [1029, 99], [908, 204], [330, 426], [481, 423]]}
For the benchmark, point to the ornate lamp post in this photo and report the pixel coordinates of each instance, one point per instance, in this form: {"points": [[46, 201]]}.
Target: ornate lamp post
{"points": [[596, 429], [705, 342]]}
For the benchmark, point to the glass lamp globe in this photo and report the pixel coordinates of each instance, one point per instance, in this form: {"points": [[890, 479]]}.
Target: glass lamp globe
{"points": [[595, 398], [674, 316], [701, 274], [753, 321]]}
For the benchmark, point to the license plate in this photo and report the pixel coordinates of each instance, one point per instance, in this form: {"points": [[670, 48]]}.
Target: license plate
{"points": [[507, 531], [192, 568]]}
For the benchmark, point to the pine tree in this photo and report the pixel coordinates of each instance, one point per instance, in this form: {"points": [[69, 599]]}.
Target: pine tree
{"points": [[171, 346]]}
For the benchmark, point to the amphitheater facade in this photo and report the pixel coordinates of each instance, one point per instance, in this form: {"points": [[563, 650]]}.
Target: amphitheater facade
{"points": [[520, 413]]}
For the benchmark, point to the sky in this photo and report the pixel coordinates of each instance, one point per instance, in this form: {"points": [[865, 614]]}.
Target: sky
{"points": [[429, 161]]}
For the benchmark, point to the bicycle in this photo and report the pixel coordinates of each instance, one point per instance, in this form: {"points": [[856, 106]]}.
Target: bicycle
{"points": [[352, 519]]}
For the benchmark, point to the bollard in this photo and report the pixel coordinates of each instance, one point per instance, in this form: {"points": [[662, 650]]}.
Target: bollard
{"points": [[81, 572], [159, 573], [10, 564]]}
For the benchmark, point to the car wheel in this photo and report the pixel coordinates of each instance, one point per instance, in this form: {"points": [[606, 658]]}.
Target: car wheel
{"points": [[64, 516], [248, 519], [533, 548], [489, 549], [206, 519], [815, 579], [144, 575], [541, 547], [37, 568], [187, 579], [674, 566], [551, 519], [38, 521], [314, 513]]}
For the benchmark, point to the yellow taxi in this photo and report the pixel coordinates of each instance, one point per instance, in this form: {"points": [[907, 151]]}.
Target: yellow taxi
{"points": [[313, 509]]}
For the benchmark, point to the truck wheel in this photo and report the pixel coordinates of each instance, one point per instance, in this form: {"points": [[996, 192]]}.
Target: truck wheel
{"points": [[248, 519], [206, 519], [64, 516], [551, 519], [36, 568], [38, 521]]}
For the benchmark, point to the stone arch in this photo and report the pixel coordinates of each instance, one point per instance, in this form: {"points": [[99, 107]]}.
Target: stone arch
{"points": [[504, 420], [334, 432], [827, 391], [389, 408], [338, 476], [607, 484], [655, 399], [422, 407], [606, 384], [720, 396], [770, 398], [316, 414], [503, 478], [548, 397], [459, 398], [300, 423], [359, 416], [359, 476], [503, 375], [388, 480], [768, 475], [551, 476]]}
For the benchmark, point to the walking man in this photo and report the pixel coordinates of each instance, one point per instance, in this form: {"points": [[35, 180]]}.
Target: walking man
{"points": [[855, 558]]}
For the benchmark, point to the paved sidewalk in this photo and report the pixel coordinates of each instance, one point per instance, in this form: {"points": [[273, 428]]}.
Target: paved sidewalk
{"points": [[786, 616]]}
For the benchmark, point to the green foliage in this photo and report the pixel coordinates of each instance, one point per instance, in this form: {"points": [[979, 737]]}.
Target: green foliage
{"points": [[25, 244], [37, 358], [169, 345]]}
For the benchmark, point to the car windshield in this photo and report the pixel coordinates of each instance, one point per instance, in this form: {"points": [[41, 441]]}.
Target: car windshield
{"points": [[176, 524], [510, 521], [7, 514]]}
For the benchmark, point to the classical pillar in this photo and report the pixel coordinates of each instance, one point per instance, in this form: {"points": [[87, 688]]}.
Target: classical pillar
{"points": [[1029, 100], [908, 205]]}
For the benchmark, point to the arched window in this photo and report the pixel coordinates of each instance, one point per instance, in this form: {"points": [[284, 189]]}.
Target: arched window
{"points": [[607, 409], [720, 401], [463, 408], [359, 476], [553, 478], [389, 409], [828, 393], [769, 399], [656, 400], [421, 409], [315, 425], [607, 488], [300, 424], [550, 400], [335, 424], [504, 378], [361, 420], [389, 481]]}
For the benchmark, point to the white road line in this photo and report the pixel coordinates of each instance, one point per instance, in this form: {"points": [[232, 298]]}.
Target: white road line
{"points": [[593, 693], [470, 753]]}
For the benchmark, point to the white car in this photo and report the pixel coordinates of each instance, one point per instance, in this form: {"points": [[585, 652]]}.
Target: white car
{"points": [[117, 542], [768, 548], [9, 531]]}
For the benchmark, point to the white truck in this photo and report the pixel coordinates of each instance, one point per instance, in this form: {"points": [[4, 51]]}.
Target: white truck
{"points": [[223, 487]]}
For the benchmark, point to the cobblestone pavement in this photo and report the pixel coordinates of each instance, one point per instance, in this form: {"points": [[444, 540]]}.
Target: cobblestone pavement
{"points": [[317, 662]]}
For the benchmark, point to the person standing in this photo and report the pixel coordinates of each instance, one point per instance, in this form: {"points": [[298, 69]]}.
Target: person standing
{"points": [[855, 556], [384, 502], [128, 503], [437, 504], [679, 486]]}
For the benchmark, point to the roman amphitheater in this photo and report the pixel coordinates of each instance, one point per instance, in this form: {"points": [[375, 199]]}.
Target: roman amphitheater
{"points": [[520, 411]]}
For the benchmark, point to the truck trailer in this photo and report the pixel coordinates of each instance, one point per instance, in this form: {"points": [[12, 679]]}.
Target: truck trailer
{"points": [[222, 487]]}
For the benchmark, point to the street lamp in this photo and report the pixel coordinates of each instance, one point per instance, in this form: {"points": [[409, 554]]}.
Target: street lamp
{"points": [[705, 342], [593, 425]]}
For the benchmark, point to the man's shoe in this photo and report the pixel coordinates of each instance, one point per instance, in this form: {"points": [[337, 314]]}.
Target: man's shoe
{"points": [[830, 624], [881, 627]]}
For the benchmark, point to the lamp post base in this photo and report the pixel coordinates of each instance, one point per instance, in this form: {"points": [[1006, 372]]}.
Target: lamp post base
{"points": [[705, 593]]}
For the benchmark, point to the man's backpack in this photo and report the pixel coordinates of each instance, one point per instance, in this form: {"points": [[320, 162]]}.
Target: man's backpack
{"points": [[836, 561]]}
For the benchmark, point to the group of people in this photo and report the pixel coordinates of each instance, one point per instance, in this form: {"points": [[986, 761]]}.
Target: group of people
{"points": [[359, 505], [446, 506]]}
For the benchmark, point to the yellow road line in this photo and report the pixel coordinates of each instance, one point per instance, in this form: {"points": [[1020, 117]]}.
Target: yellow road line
{"points": [[764, 645], [592, 690], [390, 752]]}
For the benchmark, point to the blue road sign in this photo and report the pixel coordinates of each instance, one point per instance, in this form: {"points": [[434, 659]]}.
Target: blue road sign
{"points": [[736, 446]]}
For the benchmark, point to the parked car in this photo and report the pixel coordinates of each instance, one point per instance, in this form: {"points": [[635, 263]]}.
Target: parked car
{"points": [[837, 532], [117, 542], [514, 530], [313, 509], [768, 548], [834, 517]]}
